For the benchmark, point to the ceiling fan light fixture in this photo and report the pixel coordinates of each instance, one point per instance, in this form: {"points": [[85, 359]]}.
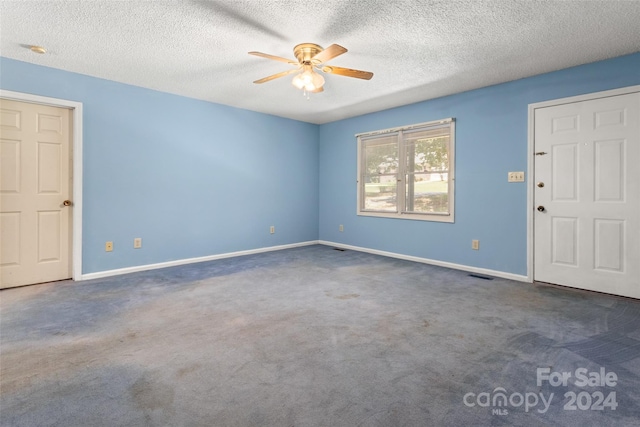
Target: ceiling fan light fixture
{"points": [[317, 80], [308, 80], [298, 81]]}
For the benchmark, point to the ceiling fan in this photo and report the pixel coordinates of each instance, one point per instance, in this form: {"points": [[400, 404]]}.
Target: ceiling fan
{"points": [[311, 56]]}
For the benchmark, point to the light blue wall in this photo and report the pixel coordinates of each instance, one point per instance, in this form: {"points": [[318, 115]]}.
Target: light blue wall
{"points": [[191, 178], [194, 178], [491, 139]]}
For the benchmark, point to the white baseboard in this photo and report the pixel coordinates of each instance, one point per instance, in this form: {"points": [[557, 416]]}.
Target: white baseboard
{"points": [[119, 271], [483, 271]]}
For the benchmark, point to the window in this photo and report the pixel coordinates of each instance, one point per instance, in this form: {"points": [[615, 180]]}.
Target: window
{"points": [[407, 172]]}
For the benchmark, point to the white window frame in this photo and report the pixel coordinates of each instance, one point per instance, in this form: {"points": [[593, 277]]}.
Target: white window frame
{"points": [[400, 185]]}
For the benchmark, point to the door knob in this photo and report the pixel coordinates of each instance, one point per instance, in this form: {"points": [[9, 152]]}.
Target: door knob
{"points": [[540, 184], [67, 203], [540, 208]]}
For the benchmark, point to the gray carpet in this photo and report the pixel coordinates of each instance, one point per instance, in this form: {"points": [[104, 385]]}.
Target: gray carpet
{"points": [[315, 337]]}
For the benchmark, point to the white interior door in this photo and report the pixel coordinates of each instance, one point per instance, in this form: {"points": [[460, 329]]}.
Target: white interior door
{"points": [[587, 195], [35, 182]]}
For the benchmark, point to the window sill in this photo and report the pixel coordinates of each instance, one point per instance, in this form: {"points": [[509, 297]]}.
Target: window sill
{"points": [[416, 217]]}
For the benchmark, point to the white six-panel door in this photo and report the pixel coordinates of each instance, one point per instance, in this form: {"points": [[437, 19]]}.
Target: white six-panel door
{"points": [[587, 195], [35, 181]]}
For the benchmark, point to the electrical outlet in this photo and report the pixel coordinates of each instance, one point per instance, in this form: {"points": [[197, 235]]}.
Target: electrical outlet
{"points": [[108, 247], [137, 243], [515, 177], [475, 245], [341, 228], [272, 229]]}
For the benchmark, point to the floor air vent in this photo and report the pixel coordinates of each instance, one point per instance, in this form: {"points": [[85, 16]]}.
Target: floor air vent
{"points": [[481, 277], [339, 249]]}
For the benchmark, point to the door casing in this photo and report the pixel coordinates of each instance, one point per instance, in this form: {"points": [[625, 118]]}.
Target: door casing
{"points": [[531, 157], [76, 191]]}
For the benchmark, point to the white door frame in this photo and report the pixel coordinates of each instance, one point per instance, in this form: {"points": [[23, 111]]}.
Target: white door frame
{"points": [[76, 192], [531, 156]]}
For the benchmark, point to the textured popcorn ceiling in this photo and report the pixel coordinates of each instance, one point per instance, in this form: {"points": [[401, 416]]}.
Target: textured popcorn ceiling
{"points": [[417, 50]]}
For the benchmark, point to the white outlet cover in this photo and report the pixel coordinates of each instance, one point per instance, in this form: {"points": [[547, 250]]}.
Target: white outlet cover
{"points": [[515, 177]]}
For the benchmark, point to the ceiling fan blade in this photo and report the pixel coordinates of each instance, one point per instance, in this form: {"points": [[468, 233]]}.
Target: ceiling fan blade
{"points": [[329, 53], [275, 76], [275, 58], [359, 74]]}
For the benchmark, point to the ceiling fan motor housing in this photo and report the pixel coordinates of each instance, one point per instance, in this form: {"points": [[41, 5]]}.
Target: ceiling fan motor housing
{"points": [[305, 51]]}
